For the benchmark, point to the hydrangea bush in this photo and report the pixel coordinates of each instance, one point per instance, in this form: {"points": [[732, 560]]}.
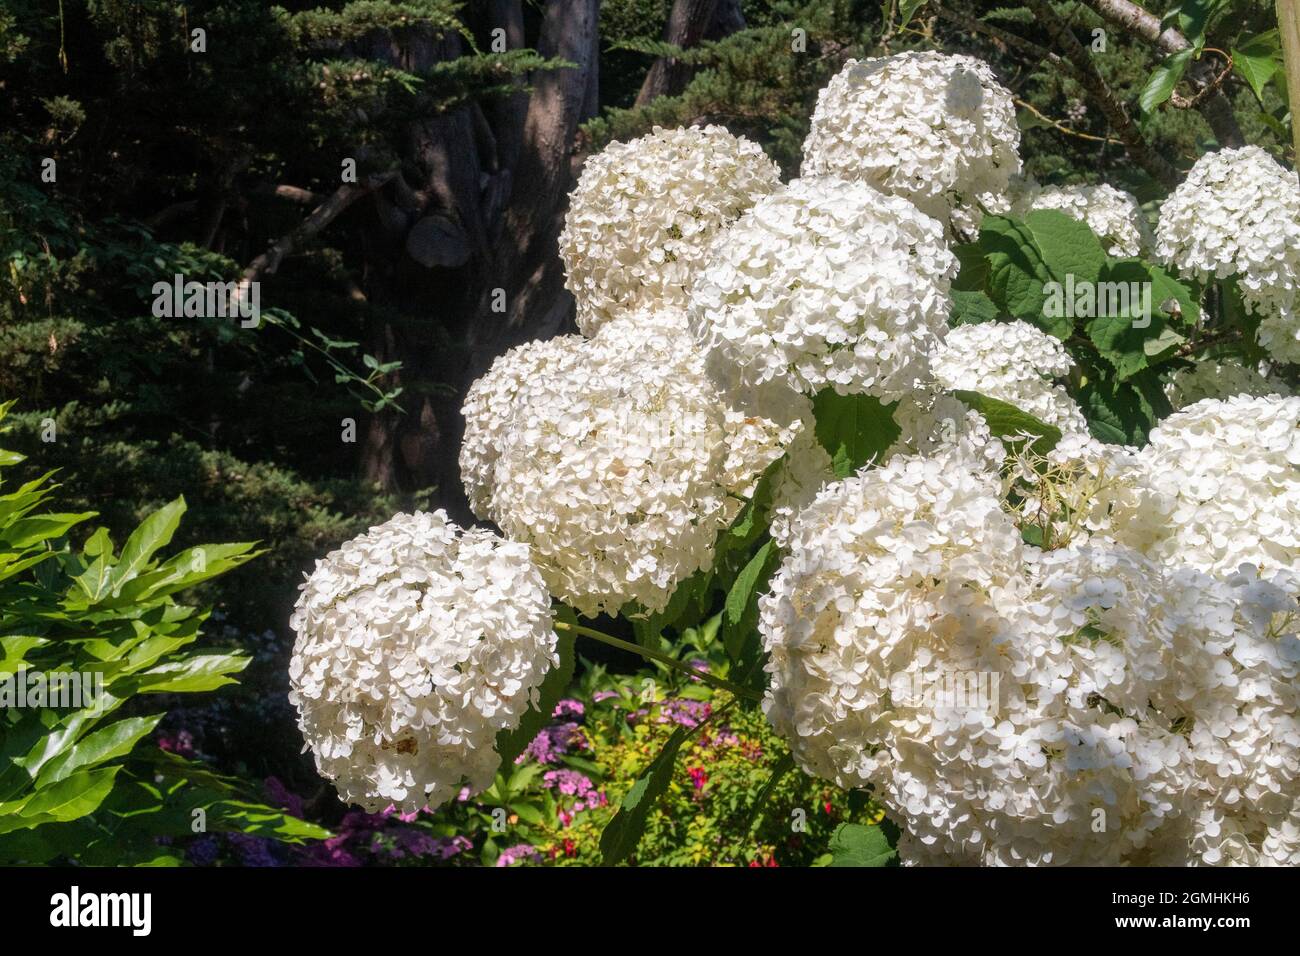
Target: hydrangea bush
{"points": [[984, 495]]}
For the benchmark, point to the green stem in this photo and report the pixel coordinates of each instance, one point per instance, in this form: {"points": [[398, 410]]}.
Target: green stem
{"points": [[1288, 27], [659, 656]]}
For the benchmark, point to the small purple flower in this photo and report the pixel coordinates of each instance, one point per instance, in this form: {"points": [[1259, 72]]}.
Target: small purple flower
{"points": [[325, 854], [603, 695], [391, 811], [453, 846], [684, 713], [203, 851], [724, 737], [553, 742], [569, 709], [512, 855], [253, 850], [280, 796], [571, 783]]}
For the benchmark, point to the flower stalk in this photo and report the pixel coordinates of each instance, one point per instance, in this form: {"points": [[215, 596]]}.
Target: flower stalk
{"points": [[666, 659]]}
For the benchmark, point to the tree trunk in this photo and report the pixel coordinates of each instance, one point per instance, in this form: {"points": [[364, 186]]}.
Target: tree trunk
{"points": [[483, 213], [727, 19], [527, 267], [688, 22]]}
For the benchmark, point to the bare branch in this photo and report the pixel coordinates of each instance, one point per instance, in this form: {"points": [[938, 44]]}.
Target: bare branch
{"points": [[1062, 128], [1005, 36], [294, 194], [318, 219]]}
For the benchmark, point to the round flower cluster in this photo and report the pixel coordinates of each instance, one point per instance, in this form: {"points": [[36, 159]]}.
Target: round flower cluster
{"points": [[1087, 705], [826, 283], [1013, 362], [490, 406], [1111, 213], [1237, 691], [1238, 214], [644, 213], [620, 466], [417, 643], [939, 130], [1222, 483], [855, 599], [930, 423], [1211, 379]]}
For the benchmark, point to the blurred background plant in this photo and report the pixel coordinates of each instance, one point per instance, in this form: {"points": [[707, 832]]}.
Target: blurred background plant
{"points": [[734, 798], [98, 634]]}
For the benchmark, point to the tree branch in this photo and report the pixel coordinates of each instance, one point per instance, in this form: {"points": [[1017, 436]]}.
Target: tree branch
{"points": [[318, 219], [1062, 128], [1105, 97], [1005, 36], [294, 194], [1145, 25]]}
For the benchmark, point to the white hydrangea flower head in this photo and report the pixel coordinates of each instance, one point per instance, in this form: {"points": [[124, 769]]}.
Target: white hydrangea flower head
{"points": [[1282, 845], [620, 469], [931, 421], [416, 644], [912, 576], [807, 469], [1238, 214], [1086, 486], [1222, 481], [882, 568], [644, 213], [937, 129], [1113, 215], [1235, 692], [1211, 379], [1279, 327], [1110, 614], [492, 402], [1013, 362], [1095, 677], [826, 283]]}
